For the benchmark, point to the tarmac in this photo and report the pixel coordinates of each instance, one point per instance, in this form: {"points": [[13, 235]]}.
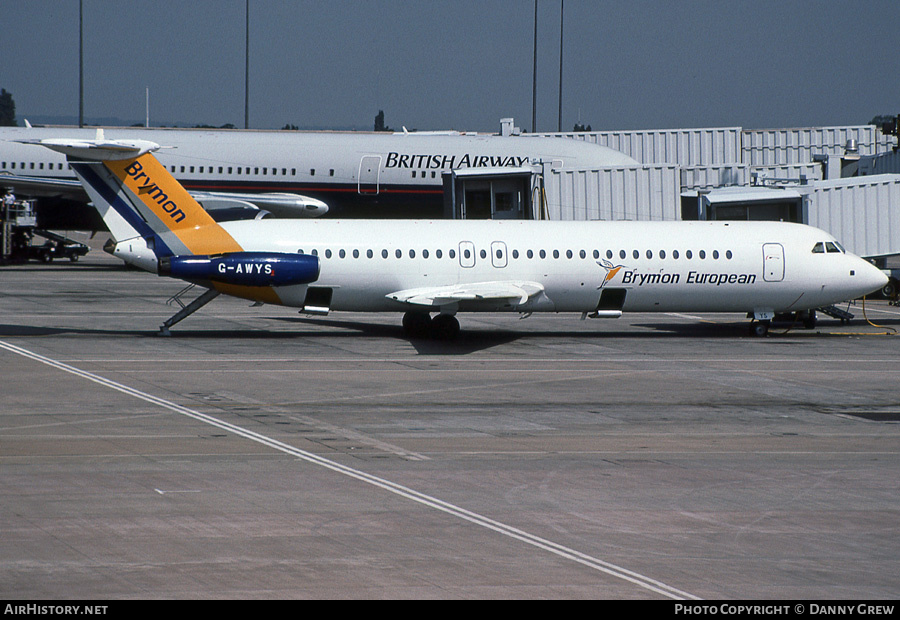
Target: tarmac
{"points": [[259, 454]]}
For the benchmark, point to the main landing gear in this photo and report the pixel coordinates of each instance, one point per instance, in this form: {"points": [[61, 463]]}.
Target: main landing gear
{"points": [[421, 325]]}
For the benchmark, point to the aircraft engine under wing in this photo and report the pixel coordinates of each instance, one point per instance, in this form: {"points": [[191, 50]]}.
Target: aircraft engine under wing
{"points": [[506, 293]]}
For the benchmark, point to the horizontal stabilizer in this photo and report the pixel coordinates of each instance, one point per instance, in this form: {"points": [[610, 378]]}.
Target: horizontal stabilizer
{"points": [[99, 149], [515, 292]]}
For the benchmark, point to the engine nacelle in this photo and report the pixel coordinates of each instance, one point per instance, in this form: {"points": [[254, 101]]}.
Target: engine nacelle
{"points": [[244, 268]]}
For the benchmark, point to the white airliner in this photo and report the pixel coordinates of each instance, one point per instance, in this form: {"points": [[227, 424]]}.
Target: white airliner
{"points": [[291, 173], [425, 267]]}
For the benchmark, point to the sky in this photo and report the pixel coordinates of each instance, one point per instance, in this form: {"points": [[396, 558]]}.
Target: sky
{"points": [[457, 64]]}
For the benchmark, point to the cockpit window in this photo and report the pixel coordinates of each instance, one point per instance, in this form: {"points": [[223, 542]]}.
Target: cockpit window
{"points": [[832, 247], [819, 248]]}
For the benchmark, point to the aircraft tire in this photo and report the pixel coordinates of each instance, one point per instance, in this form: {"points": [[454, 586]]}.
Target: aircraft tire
{"points": [[759, 329], [417, 324], [444, 327]]}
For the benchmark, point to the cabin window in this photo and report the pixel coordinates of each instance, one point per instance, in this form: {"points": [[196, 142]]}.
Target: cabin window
{"points": [[529, 254], [312, 172], [327, 253], [398, 253], [483, 254], [424, 253], [636, 254], [688, 254], [369, 253], [515, 254], [569, 254], [543, 254], [662, 254], [596, 254], [728, 254], [438, 253], [355, 253], [715, 255], [315, 252], [675, 254], [649, 253], [342, 254], [702, 253], [412, 253], [555, 253], [622, 254], [384, 254], [609, 254]]}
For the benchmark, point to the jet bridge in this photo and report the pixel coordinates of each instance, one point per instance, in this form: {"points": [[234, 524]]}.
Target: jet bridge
{"points": [[491, 193]]}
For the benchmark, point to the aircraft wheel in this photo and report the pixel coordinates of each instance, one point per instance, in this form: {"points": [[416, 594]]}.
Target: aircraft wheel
{"points": [[417, 324], [445, 327], [809, 320], [759, 329]]}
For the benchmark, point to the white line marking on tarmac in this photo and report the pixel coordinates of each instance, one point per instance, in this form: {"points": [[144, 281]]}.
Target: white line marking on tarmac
{"points": [[397, 489]]}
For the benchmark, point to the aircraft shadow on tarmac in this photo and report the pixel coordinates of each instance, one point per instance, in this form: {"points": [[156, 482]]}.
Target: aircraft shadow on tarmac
{"points": [[469, 340]]}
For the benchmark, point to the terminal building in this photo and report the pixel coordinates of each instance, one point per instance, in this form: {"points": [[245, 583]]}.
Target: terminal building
{"points": [[845, 180]]}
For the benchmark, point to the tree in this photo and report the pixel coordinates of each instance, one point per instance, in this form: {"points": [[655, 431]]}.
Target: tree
{"points": [[379, 122], [7, 109]]}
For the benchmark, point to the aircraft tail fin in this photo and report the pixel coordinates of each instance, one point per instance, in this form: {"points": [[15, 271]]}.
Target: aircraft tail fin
{"points": [[125, 177]]}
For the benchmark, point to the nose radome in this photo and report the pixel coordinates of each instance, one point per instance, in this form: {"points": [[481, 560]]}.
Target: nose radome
{"points": [[868, 276]]}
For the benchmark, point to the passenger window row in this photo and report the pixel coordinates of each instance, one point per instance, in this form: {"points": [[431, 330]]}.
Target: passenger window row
{"points": [[543, 254], [245, 170]]}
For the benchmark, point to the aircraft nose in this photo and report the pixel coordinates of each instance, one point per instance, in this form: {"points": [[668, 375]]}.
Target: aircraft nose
{"points": [[867, 276]]}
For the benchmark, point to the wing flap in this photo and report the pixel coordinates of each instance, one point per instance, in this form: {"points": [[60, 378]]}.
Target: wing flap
{"points": [[515, 292]]}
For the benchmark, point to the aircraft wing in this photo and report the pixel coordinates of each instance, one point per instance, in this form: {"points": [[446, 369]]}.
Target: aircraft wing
{"points": [[514, 293], [40, 187]]}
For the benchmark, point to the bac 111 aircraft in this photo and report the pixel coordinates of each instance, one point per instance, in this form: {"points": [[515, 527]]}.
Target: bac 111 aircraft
{"points": [[430, 270]]}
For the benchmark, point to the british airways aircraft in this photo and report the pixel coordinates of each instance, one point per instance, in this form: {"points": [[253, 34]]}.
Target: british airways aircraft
{"points": [[290, 174], [442, 267]]}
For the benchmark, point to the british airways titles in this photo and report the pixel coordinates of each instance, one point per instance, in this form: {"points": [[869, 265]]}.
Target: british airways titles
{"points": [[452, 162]]}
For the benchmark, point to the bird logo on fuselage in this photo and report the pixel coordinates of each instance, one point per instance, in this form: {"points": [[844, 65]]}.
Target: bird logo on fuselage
{"points": [[611, 271]]}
